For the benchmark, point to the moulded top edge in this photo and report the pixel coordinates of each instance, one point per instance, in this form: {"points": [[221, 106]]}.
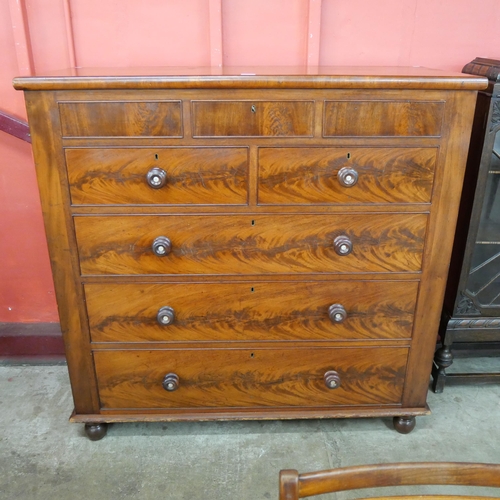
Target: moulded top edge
{"points": [[321, 77]]}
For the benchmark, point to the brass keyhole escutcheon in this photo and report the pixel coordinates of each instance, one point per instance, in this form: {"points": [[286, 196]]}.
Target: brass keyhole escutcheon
{"points": [[253, 108]]}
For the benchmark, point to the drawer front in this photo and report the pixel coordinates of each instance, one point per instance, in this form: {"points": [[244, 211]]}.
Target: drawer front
{"points": [[346, 175], [229, 378], [121, 119], [251, 311], [383, 118], [116, 176], [251, 244], [253, 118]]}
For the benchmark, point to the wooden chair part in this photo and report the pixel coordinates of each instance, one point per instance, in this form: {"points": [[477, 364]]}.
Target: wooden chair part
{"points": [[294, 485]]}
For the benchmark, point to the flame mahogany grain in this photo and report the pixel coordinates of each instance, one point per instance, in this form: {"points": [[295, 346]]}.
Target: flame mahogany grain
{"points": [[252, 206], [112, 176], [232, 378], [231, 244], [251, 311]]}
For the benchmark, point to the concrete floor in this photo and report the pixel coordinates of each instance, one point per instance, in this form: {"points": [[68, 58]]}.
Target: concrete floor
{"points": [[44, 457]]}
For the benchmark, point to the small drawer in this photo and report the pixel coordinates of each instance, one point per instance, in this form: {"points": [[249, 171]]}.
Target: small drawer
{"points": [[230, 378], [250, 244], [253, 118], [199, 312], [346, 175], [383, 118], [165, 176], [121, 119]]}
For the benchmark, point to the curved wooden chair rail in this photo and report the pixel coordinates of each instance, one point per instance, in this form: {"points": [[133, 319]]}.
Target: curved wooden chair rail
{"points": [[294, 485]]}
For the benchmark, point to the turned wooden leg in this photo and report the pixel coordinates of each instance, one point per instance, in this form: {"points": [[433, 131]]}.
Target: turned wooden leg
{"points": [[442, 360], [96, 431], [404, 425]]}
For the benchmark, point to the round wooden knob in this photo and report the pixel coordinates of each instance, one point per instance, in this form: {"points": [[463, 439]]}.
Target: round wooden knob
{"points": [[170, 382], [156, 178], [342, 245], [332, 379], [347, 177], [337, 313], [162, 246], [165, 316]]}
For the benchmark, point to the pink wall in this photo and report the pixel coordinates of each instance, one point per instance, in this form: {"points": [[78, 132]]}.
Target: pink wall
{"points": [[442, 34], [131, 33], [264, 32], [26, 291]]}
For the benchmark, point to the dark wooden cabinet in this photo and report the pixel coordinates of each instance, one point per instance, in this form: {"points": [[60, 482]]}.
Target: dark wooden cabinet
{"points": [[259, 246], [471, 315]]}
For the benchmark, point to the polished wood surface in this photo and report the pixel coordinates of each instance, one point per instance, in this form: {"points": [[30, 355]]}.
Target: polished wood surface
{"points": [[253, 118], [249, 77], [247, 413], [294, 485], [116, 119], [54, 196], [310, 175], [237, 246], [251, 244], [108, 176], [227, 378], [382, 118], [251, 311], [439, 242]]}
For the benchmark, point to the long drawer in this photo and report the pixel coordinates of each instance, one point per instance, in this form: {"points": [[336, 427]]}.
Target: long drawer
{"points": [[250, 244], [251, 311], [160, 176], [229, 378], [345, 175]]}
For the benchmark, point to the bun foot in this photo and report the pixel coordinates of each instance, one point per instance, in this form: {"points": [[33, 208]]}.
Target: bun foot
{"points": [[96, 431], [404, 425]]}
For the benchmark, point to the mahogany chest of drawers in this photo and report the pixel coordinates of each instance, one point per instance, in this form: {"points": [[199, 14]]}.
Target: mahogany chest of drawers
{"points": [[250, 246]]}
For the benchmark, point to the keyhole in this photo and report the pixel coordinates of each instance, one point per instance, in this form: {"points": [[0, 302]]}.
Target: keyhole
{"points": [[252, 289], [156, 156], [254, 109], [252, 355], [348, 156], [253, 223]]}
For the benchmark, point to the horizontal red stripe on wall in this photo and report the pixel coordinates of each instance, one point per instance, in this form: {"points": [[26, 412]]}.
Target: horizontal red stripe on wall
{"points": [[37, 340]]}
